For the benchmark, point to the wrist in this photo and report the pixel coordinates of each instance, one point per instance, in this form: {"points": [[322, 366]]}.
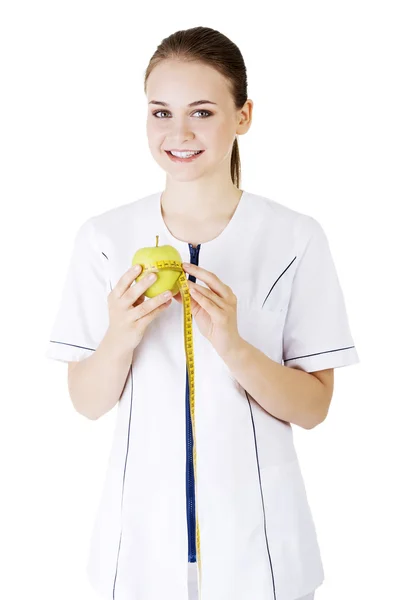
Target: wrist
{"points": [[111, 347], [237, 349]]}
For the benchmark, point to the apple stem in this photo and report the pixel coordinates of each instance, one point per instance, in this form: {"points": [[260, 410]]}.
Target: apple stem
{"points": [[157, 241]]}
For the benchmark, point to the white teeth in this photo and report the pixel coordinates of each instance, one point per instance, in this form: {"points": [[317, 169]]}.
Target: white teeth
{"points": [[184, 154]]}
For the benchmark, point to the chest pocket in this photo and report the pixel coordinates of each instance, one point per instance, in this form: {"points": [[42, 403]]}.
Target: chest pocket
{"points": [[262, 327], [262, 307]]}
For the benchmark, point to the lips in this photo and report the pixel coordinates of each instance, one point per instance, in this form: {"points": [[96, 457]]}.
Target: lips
{"points": [[179, 159]]}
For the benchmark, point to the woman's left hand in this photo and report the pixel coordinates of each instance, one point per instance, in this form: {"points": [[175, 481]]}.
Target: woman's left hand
{"points": [[214, 309]]}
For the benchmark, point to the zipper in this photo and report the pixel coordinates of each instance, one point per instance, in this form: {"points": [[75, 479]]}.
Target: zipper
{"points": [[190, 490]]}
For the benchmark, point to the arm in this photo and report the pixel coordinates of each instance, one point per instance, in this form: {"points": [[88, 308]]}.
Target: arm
{"points": [[289, 394], [95, 383]]}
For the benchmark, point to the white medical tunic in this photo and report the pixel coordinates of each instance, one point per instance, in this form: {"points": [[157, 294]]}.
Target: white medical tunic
{"points": [[257, 536]]}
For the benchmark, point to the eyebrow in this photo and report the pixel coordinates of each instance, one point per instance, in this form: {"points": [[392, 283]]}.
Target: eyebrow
{"points": [[196, 103]]}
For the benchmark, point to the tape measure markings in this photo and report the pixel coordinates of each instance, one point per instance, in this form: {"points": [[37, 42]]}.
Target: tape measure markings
{"points": [[173, 265]]}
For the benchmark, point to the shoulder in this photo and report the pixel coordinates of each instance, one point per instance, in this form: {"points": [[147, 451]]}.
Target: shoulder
{"points": [[118, 215], [118, 222], [109, 232], [293, 225]]}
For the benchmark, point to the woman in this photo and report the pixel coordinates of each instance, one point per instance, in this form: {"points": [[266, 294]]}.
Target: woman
{"points": [[269, 326]]}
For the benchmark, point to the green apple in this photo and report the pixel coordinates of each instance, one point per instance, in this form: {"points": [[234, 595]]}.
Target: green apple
{"points": [[166, 278]]}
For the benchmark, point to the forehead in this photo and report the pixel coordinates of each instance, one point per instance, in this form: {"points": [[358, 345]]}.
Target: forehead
{"points": [[178, 83]]}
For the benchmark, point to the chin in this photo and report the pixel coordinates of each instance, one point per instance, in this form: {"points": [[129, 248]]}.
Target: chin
{"points": [[183, 177]]}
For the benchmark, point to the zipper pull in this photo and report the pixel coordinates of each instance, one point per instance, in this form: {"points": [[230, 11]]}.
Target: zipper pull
{"points": [[192, 252]]}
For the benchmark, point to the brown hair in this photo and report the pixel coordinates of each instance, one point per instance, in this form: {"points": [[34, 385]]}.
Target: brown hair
{"points": [[206, 45]]}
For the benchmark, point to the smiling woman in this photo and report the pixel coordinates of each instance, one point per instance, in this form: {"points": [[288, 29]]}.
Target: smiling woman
{"points": [[203, 109], [203, 491]]}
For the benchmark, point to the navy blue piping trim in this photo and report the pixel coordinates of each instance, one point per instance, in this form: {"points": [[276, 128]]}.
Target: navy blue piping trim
{"points": [[262, 497], [316, 353], [75, 345], [283, 272], [123, 482], [107, 259], [190, 481]]}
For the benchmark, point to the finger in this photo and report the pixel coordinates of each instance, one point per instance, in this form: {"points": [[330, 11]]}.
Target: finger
{"points": [[205, 291], [145, 308], [209, 306], [193, 304], [132, 294], [150, 316], [126, 281], [211, 279]]}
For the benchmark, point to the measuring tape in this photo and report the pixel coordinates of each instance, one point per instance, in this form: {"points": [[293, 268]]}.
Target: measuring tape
{"points": [[173, 265]]}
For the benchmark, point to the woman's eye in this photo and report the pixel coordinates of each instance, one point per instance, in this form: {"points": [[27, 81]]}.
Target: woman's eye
{"points": [[197, 111], [204, 111], [159, 111]]}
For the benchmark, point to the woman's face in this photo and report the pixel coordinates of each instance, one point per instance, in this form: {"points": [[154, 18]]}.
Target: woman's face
{"points": [[178, 126]]}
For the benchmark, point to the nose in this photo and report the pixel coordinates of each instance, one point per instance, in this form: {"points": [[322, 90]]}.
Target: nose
{"points": [[180, 132]]}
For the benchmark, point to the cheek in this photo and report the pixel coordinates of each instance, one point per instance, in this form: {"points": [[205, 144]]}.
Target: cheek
{"points": [[221, 138], [220, 130], [154, 129], [156, 140], [149, 125]]}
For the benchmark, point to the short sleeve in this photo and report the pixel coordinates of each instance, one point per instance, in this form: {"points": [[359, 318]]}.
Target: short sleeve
{"points": [[82, 316], [316, 332]]}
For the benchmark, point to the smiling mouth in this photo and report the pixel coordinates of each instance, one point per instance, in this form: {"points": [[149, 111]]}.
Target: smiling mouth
{"points": [[182, 159]]}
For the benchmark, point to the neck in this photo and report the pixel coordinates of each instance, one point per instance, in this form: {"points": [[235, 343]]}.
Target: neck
{"points": [[189, 201]]}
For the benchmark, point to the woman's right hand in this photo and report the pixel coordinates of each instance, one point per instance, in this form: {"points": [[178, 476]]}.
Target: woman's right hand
{"points": [[129, 313]]}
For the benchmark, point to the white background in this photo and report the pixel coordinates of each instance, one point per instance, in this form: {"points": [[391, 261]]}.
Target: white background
{"points": [[324, 140]]}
